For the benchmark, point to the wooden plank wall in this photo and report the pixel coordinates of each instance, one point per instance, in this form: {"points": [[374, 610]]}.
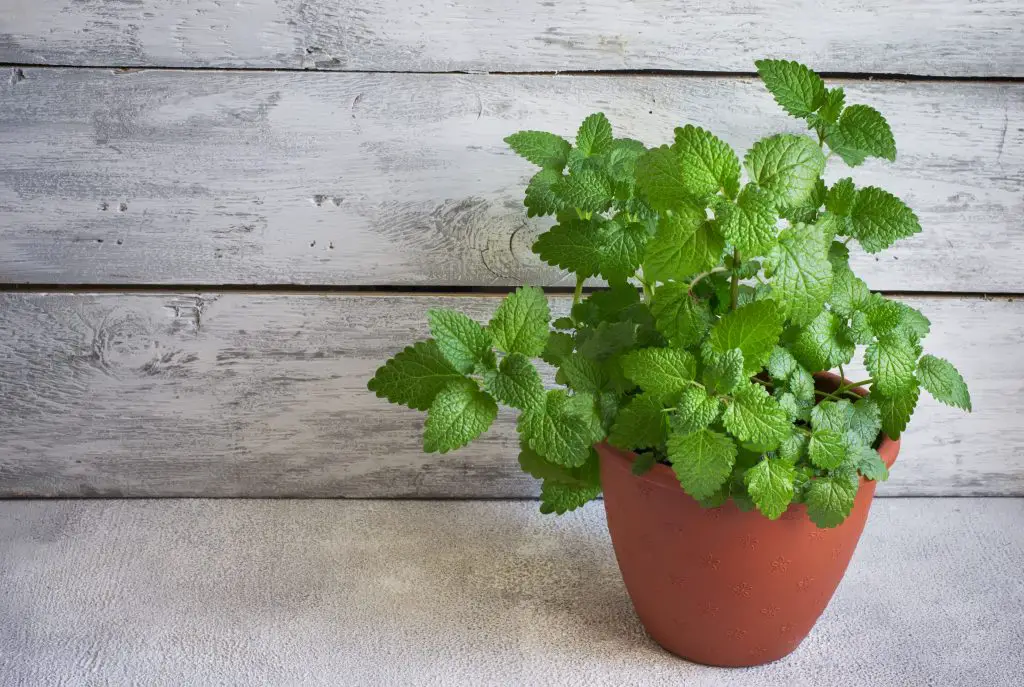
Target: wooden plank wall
{"points": [[201, 202]]}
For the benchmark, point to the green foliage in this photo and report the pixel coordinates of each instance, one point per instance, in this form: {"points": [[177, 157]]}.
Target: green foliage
{"points": [[729, 287]]}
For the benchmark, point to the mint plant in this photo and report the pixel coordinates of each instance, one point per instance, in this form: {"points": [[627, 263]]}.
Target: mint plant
{"points": [[729, 286]]}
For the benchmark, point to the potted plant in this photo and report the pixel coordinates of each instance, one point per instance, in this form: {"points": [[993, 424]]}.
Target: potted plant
{"points": [[695, 390]]}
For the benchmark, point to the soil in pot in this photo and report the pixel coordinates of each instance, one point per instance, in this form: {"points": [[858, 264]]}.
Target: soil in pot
{"points": [[721, 586]]}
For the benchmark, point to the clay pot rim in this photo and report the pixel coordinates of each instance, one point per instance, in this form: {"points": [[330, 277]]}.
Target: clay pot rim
{"points": [[661, 475]]}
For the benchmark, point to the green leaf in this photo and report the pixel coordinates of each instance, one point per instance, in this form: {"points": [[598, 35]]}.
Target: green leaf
{"points": [[516, 382], [840, 197], [750, 223], [830, 500], [595, 135], [414, 376], [723, 372], [607, 339], [891, 361], [680, 317], [643, 463], [912, 321], [573, 245], [827, 449], [685, 244], [824, 343], [896, 410], [659, 178], [753, 328], [541, 148], [587, 189], [520, 324], [460, 413], [709, 164], [563, 429], [755, 417], [834, 415], [865, 423], [797, 89], [849, 293], [541, 198], [662, 372], [770, 485], [564, 323], [861, 132], [640, 424], [461, 340], [781, 363], [702, 461], [878, 219], [787, 166], [869, 463], [883, 315], [801, 274], [830, 111], [794, 447], [620, 249], [559, 346], [695, 410], [801, 383], [583, 374], [943, 381], [559, 498], [564, 489], [860, 331]]}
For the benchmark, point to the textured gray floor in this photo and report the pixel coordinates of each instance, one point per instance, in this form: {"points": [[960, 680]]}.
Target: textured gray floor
{"points": [[181, 592]]}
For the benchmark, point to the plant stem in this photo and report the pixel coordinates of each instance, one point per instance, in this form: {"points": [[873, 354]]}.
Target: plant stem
{"points": [[734, 292], [705, 274], [852, 385], [579, 290], [842, 376], [825, 394], [648, 291]]}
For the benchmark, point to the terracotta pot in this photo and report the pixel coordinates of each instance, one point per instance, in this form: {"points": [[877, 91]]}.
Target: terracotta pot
{"points": [[719, 586]]}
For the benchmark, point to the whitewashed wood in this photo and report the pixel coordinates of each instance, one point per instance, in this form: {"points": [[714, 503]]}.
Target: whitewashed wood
{"points": [[255, 178], [947, 37], [264, 395]]}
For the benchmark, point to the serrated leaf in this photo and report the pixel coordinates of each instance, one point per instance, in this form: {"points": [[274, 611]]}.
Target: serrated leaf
{"points": [[620, 249], [840, 197], [832, 108], [640, 424], [896, 410], [834, 415], [807, 212], [589, 190], [913, 321], [723, 372], [702, 461], [861, 132], [883, 315], [801, 274], [824, 343], [794, 447], [830, 500], [595, 135], [860, 331], [520, 324], [582, 373], [559, 498], [563, 429], [770, 485], [849, 292], [684, 244], [801, 383], [781, 363], [943, 382], [414, 376], [564, 489], [869, 463], [878, 219], [564, 323], [866, 422], [755, 417], [750, 223], [827, 449], [753, 328], [787, 166], [461, 339], [662, 372], [709, 164], [516, 382], [680, 317], [797, 89], [622, 159], [541, 198], [574, 246], [891, 361], [559, 346], [695, 410], [838, 256], [460, 413], [659, 178], [618, 303], [607, 339], [541, 148]]}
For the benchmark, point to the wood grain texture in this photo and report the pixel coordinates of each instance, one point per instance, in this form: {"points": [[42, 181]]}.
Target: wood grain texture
{"points": [[264, 395], [946, 37], [168, 177]]}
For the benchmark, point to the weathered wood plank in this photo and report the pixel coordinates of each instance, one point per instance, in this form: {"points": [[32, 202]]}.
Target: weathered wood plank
{"points": [[264, 395], [255, 178], [945, 37]]}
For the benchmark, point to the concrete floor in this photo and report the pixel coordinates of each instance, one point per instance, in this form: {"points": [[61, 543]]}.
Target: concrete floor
{"points": [[229, 592]]}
